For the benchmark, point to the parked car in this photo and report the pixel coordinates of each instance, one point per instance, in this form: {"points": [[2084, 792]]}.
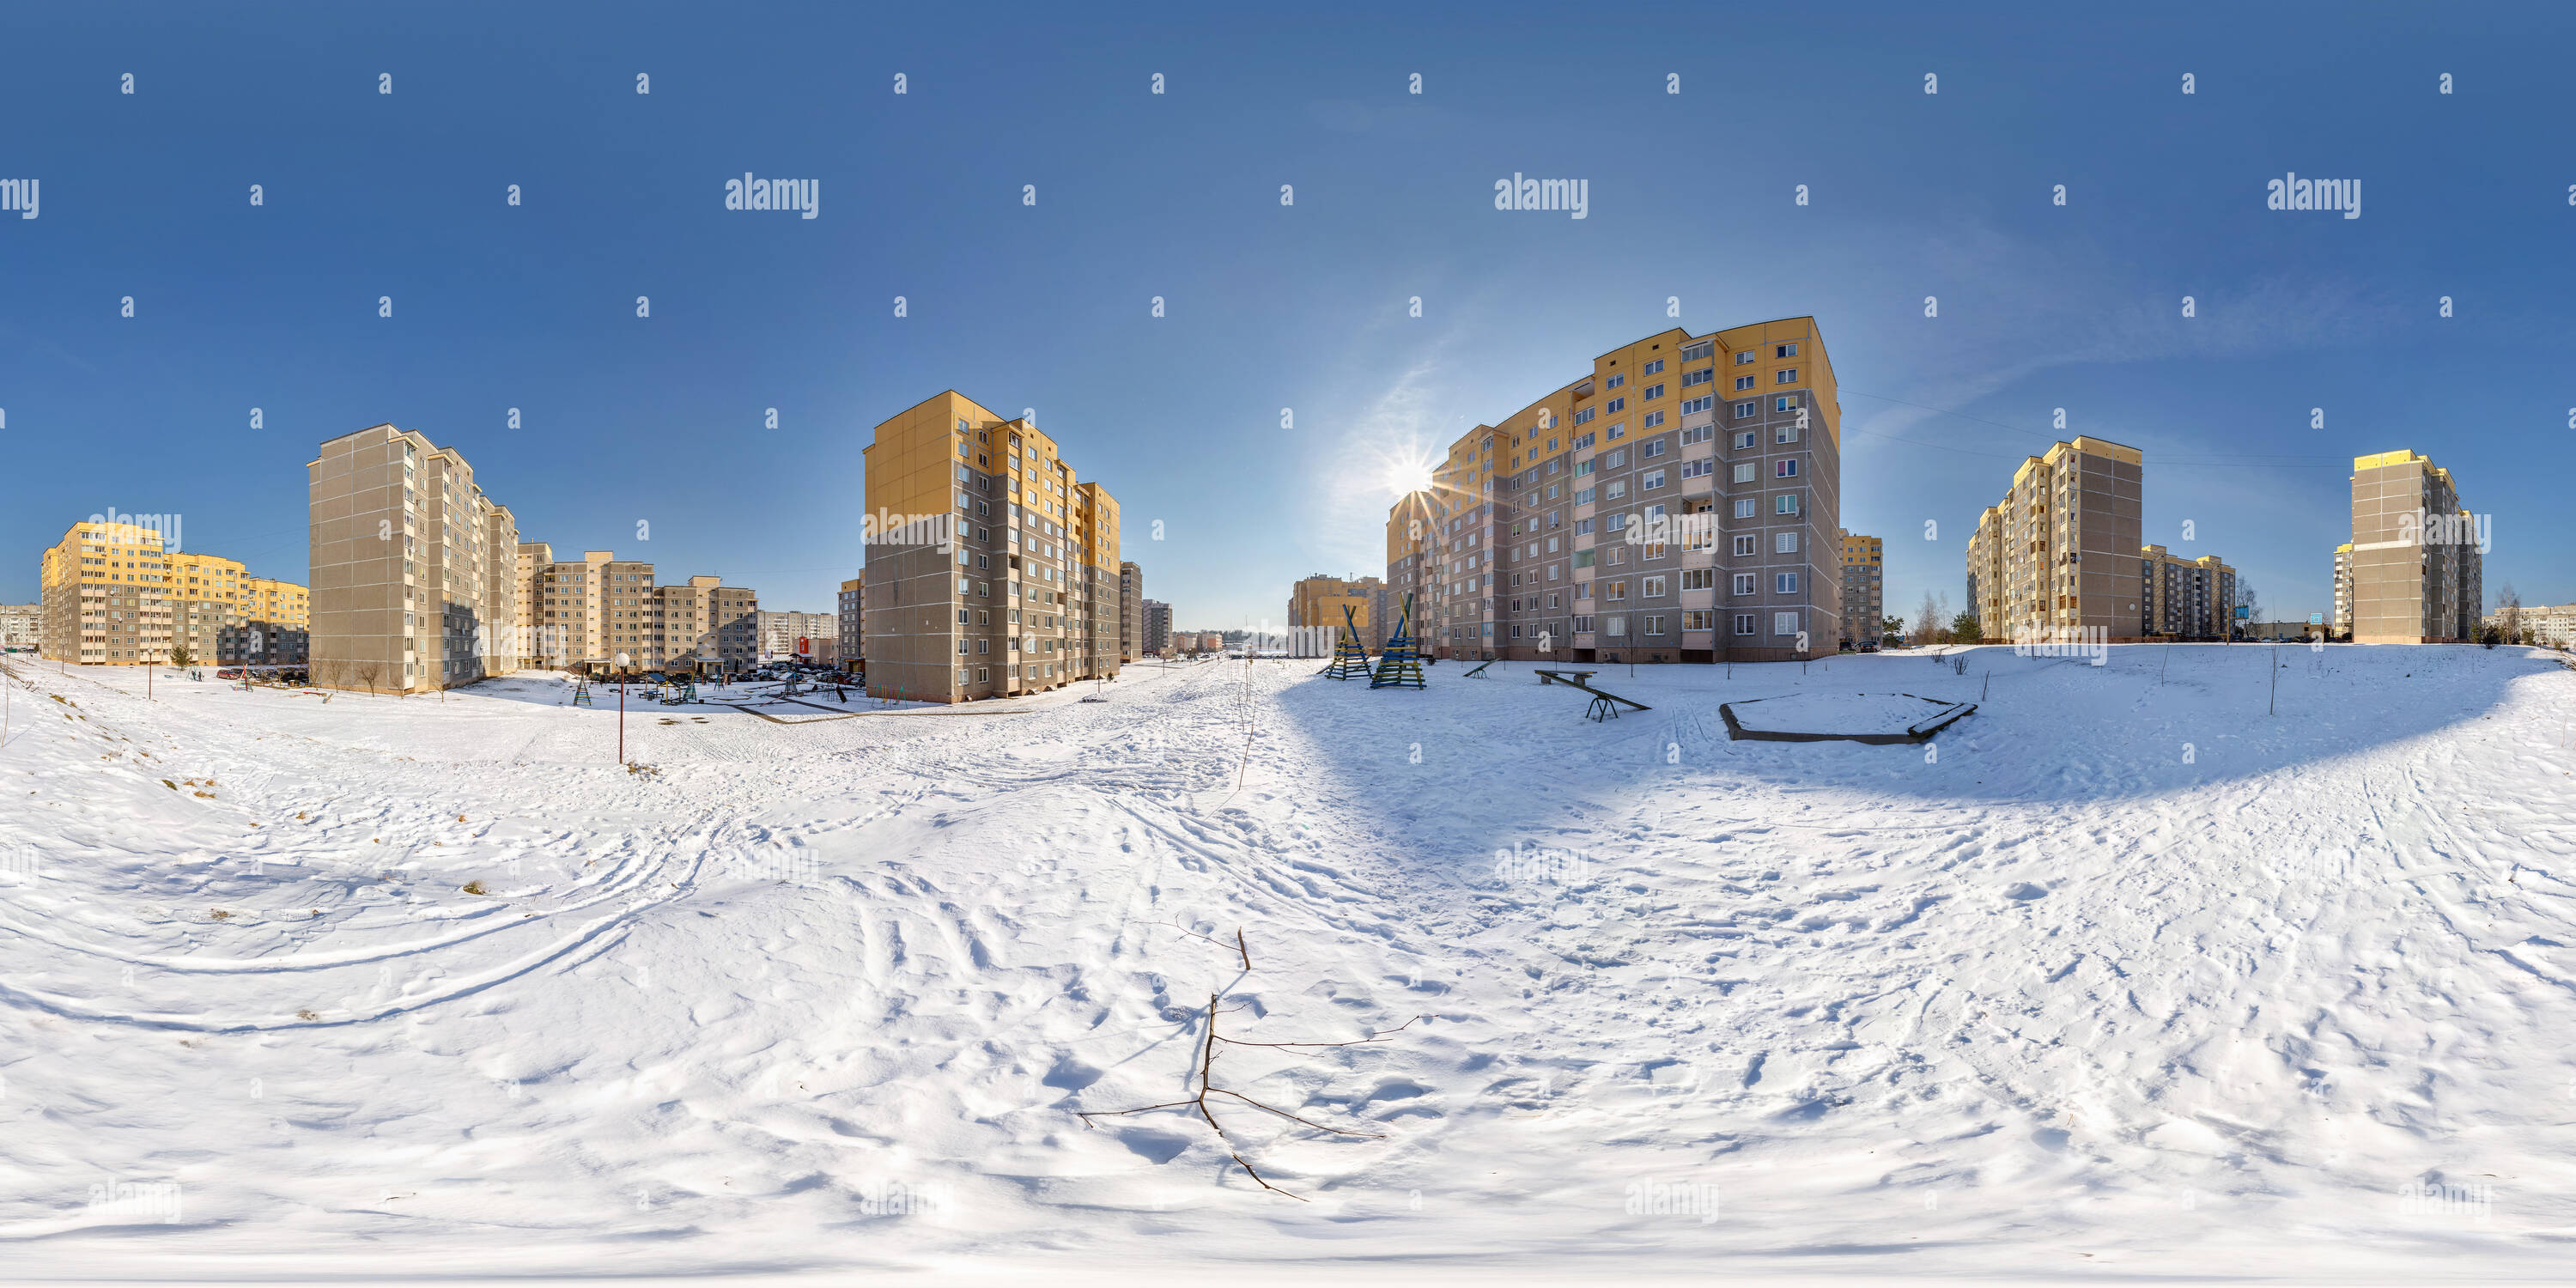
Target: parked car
{"points": [[1868, 647], [229, 673]]}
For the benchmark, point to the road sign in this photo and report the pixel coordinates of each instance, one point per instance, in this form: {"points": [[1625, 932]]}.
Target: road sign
{"points": [[2316, 619]]}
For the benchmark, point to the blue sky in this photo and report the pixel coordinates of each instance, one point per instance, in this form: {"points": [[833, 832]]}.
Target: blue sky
{"points": [[660, 420]]}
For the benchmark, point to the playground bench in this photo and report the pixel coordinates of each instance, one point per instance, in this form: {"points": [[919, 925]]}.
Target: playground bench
{"points": [[1576, 678]]}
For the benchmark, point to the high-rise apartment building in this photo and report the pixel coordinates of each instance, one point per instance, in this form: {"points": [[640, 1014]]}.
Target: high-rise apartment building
{"points": [[105, 593], [994, 569], [220, 613], [22, 626], [1131, 611], [1865, 590], [2060, 552], [1318, 601], [782, 631], [2185, 599], [582, 614], [1156, 628], [414, 568], [1680, 503], [2343, 590], [853, 609], [707, 626], [122, 599], [2416, 568]]}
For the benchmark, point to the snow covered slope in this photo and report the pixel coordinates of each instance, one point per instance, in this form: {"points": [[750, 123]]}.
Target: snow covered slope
{"points": [[2118, 975]]}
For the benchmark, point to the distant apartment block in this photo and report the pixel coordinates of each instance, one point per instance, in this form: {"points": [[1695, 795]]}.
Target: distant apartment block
{"points": [[584, 613], [782, 632], [2185, 599], [1156, 628], [994, 567], [121, 599], [2342, 620], [2550, 625], [22, 626], [1318, 601], [415, 577], [1865, 590], [1680, 503], [2416, 568], [105, 595], [1131, 611], [853, 611], [2060, 552]]}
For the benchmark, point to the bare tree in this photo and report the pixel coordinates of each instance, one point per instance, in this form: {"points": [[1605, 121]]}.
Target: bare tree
{"points": [[2508, 615], [367, 674], [1927, 623], [2251, 602]]}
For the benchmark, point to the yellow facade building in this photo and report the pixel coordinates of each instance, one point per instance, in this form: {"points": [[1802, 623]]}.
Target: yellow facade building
{"points": [[992, 567], [113, 596], [1678, 503]]}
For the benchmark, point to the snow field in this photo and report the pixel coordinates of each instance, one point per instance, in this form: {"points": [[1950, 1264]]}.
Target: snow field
{"points": [[2118, 974]]}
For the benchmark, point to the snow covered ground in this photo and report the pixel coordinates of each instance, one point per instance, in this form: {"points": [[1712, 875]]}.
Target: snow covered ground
{"points": [[2120, 975]]}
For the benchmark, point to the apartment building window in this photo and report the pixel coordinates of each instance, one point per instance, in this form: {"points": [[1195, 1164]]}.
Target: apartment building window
{"points": [[1582, 625], [1785, 503], [1785, 434], [1654, 368], [1652, 392], [1699, 619], [1615, 626], [1651, 480], [1702, 403], [1614, 382], [1743, 383], [1784, 583], [1616, 432], [1699, 579], [1616, 489], [1616, 405], [1744, 471], [1744, 544], [1786, 403], [1653, 588], [1582, 416], [1654, 624], [1786, 468], [1744, 358], [1784, 543], [1699, 377], [1744, 583], [1650, 420]]}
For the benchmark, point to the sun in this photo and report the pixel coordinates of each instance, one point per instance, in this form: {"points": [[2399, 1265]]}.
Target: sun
{"points": [[1408, 472]]}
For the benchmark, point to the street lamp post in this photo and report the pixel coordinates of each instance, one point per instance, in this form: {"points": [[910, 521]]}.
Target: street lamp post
{"points": [[621, 708]]}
